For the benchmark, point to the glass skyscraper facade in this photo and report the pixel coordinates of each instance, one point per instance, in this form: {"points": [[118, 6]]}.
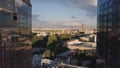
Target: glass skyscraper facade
{"points": [[108, 40], [15, 34]]}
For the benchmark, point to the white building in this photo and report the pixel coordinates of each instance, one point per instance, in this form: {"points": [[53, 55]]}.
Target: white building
{"points": [[76, 41], [89, 38]]}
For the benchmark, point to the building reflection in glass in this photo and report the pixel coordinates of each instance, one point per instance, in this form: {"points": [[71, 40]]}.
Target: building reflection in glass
{"points": [[15, 34], [109, 32]]}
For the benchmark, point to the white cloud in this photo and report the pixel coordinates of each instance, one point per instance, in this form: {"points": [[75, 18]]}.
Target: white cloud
{"points": [[89, 6]]}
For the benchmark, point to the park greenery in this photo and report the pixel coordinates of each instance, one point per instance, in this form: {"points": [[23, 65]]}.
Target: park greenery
{"points": [[53, 43], [46, 41]]}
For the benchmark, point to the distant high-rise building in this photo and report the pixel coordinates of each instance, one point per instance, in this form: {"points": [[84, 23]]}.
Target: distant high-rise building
{"points": [[15, 34], [108, 43], [82, 28]]}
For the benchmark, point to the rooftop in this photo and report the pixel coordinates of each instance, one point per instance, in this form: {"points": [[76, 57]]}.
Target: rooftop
{"points": [[69, 66]]}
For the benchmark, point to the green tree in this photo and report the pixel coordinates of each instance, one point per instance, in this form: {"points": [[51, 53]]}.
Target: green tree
{"points": [[65, 36], [40, 41], [36, 38], [47, 53], [51, 39]]}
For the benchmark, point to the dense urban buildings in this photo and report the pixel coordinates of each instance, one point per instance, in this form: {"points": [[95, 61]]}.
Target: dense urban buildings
{"points": [[109, 32], [45, 31], [15, 34], [63, 48]]}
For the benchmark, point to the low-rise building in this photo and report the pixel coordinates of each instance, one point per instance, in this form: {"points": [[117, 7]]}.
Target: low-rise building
{"points": [[76, 44], [47, 63], [62, 65], [89, 38], [36, 60]]}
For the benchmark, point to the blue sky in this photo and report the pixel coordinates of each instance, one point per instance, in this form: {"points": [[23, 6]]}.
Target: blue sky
{"points": [[64, 13]]}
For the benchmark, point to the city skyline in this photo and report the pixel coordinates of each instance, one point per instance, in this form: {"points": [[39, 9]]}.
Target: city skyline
{"points": [[64, 13]]}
